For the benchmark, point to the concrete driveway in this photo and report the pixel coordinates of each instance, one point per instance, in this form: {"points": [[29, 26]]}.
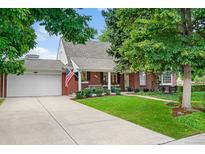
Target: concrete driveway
{"points": [[59, 120]]}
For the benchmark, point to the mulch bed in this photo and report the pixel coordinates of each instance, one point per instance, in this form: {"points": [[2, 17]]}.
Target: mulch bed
{"points": [[179, 112]]}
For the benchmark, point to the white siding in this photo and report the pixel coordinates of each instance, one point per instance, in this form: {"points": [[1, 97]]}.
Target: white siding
{"points": [[61, 54]]}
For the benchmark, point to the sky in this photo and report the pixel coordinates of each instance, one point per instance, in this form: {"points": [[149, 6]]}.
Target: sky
{"points": [[47, 46]]}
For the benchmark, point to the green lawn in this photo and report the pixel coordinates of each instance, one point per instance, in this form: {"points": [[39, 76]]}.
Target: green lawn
{"points": [[152, 114], [197, 97]]}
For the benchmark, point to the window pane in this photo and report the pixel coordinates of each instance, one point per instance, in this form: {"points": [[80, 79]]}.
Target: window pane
{"points": [[166, 77], [105, 78], [84, 76], [142, 76], [114, 78]]}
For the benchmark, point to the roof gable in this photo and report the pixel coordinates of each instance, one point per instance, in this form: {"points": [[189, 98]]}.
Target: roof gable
{"points": [[90, 56], [92, 49]]}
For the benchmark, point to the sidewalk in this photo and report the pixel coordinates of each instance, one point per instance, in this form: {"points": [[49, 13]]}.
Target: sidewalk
{"points": [[198, 139], [148, 97]]}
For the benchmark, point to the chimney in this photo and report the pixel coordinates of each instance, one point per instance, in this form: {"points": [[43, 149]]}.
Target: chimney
{"points": [[32, 56]]}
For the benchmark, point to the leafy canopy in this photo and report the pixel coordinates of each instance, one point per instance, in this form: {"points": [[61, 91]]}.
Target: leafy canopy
{"points": [[155, 39], [17, 35]]}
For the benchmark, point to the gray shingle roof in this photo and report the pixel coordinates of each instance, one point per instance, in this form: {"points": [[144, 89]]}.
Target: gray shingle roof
{"points": [[94, 64], [89, 56], [43, 65]]}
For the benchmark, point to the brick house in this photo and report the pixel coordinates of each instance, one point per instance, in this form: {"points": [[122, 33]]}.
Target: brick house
{"points": [[94, 67]]}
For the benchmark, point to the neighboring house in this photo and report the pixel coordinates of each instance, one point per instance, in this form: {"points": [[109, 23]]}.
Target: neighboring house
{"points": [[42, 78], [95, 68]]}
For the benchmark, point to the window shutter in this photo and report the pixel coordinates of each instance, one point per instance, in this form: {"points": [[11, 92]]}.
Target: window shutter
{"points": [[101, 77], [76, 76], [88, 76]]}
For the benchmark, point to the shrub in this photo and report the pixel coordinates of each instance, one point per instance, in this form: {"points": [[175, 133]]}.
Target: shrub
{"points": [[92, 90], [198, 87], [193, 88], [87, 92], [107, 91], [145, 90], [137, 90], [179, 89], [79, 94], [113, 89], [204, 97], [117, 91], [129, 89], [99, 91]]}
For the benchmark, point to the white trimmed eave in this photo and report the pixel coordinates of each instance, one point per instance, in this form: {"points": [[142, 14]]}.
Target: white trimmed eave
{"points": [[77, 68], [43, 72], [96, 70]]}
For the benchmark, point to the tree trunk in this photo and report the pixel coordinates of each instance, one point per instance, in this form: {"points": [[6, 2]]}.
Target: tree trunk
{"points": [[186, 101]]}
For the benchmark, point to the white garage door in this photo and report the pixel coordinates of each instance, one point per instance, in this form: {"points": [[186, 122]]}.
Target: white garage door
{"points": [[34, 85]]}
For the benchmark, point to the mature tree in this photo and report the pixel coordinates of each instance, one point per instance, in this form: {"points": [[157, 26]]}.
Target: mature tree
{"points": [[17, 35], [158, 40]]}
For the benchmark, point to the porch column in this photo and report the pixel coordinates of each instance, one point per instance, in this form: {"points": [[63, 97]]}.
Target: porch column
{"points": [[79, 81], [109, 80]]}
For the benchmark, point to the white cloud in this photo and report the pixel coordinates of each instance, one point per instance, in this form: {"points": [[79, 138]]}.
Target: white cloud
{"points": [[43, 53], [42, 34]]}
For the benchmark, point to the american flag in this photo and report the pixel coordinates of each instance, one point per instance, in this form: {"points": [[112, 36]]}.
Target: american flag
{"points": [[69, 75]]}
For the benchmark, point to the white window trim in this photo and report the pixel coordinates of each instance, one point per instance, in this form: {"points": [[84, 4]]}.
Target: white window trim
{"points": [[166, 84], [84, 82], [145, 79]]}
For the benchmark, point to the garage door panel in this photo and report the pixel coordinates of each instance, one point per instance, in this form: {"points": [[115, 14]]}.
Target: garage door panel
{"points": [[34, 85]]}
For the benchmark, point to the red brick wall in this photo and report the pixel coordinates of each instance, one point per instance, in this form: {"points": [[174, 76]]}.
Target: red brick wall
{"points": [[94, 80], [1, 86], [174, 79], [122, 83], [151, 81], [134, 81], [5, 86], [72, 88], [73, 84]]}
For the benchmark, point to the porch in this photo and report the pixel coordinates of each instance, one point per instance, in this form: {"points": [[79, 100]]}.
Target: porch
{"points": [[126, 81], [108, 80]]}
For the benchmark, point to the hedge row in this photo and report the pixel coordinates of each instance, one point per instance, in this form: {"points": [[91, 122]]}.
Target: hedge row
{"points": [[193, 88], [89, 92]]}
